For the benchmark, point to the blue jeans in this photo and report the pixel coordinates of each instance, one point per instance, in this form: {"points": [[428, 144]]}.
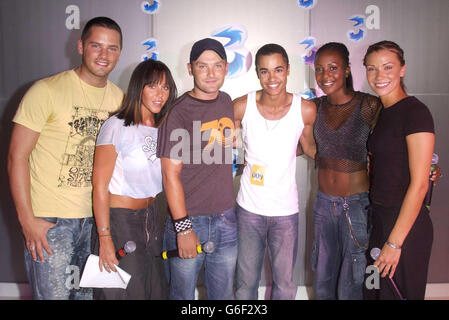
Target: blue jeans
{"points": [[340, 242], [57, 278], [281, 235], [219, 266]]}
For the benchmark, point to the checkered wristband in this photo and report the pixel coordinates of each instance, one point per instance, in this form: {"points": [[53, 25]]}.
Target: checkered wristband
{"points": [[182, 224]]}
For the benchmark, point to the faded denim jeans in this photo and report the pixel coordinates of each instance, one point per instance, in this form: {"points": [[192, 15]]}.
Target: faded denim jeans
{"points": [[58, 277], [219, 266], [281, 236], [340, 242]]}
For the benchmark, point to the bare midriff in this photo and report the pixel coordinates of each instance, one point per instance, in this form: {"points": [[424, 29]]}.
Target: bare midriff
{"points": [[342, 184], [116, 201]]}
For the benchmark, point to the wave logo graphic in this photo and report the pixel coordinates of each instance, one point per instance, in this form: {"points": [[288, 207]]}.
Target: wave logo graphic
{"points": [[150, 45], [307, 4], [359, 20], [371, 21], [356, 36], [311, 50], [150, 8], [235, 49], [359, 33]]}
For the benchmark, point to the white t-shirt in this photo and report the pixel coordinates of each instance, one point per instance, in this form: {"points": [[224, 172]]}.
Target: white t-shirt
{"points": [[137, 173]]}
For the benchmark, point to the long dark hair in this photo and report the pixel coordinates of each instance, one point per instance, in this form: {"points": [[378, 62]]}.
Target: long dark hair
{"points": [[146, 72], [390, 46], [341, 49]]}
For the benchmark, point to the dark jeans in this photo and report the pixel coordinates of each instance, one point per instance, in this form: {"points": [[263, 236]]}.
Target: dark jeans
{"points": [[144, 264], [340, 243]]}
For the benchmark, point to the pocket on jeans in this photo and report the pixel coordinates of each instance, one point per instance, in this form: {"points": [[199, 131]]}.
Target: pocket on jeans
{"points": [[51, 220], [358, 267], [229, 217], [169, 228]]}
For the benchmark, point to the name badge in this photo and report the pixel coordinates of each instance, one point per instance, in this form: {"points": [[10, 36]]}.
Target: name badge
{"points": [[257, 175]]}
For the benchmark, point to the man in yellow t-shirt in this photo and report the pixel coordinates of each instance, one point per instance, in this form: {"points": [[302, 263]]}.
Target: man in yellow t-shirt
{"points": [[50, 162]]}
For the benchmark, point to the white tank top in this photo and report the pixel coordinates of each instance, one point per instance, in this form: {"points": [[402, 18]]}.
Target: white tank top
{"points": [[268, 183]]}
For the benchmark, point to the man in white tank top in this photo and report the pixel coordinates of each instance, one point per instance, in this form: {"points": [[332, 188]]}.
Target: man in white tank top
{"points": [[272, 122]]}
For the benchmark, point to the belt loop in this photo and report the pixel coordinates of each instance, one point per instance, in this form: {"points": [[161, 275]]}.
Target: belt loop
{"points": [[345, 204]]}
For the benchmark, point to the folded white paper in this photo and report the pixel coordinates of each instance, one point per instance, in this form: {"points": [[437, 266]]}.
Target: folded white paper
{"points": [[94, 278]]}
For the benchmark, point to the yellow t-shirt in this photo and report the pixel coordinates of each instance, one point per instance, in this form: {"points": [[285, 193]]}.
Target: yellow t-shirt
{"points": [[68, 114]]}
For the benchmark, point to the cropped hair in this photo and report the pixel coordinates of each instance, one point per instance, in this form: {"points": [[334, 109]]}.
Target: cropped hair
{"points": [[269, 49], [104, 22]]}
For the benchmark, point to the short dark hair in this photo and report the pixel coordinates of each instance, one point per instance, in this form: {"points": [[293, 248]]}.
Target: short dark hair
{"points": [[104, 22], [343, 51], [269, 49], [390, 46], [147, 72]]}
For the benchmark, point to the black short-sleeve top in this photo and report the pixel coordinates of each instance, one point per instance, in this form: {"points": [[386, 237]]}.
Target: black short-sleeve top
{"points": [[387, 147]]}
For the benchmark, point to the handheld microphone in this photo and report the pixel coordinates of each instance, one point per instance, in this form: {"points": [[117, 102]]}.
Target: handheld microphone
{"points": [[428, 198], [129, 247], [207, 247], [374, 253]]}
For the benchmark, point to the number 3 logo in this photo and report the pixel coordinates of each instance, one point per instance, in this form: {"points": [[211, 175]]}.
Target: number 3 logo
{"points": [[237, 35]]}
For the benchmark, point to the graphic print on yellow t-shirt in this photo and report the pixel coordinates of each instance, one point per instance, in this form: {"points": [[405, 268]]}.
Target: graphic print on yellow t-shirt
{"points": [[76, 164]]}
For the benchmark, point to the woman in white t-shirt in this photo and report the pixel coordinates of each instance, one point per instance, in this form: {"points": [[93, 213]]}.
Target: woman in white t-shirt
{"points": [[126, 179]]}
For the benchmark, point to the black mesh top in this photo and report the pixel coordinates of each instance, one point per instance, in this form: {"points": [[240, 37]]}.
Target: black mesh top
{"points": [[341, 132]]}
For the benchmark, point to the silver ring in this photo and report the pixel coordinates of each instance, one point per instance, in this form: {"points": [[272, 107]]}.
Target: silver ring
{"points": [[31, 248]]}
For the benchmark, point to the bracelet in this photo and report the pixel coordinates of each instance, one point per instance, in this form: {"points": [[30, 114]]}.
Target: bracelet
{"points": [[394, 246], [104, 235], [182, 224], [183, 233], [103, 229]]}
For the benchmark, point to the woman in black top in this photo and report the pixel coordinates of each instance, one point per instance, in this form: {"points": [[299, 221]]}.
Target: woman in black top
{"points": [[400, 149]]}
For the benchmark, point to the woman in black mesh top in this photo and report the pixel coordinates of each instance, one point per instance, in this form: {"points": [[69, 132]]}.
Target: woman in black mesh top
{"points": [[344, 119], [400, 147]]}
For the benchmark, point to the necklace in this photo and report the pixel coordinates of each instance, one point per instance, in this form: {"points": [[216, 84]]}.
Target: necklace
{"points": [[92, 123], [276, 121], [274, 126]]}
